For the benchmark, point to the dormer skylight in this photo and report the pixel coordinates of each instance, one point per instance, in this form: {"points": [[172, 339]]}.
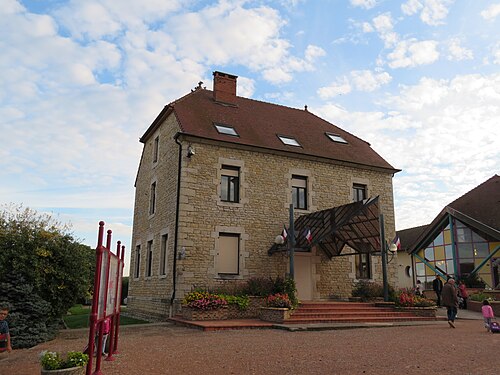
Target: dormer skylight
{"points": [[226, 129], [336, 138], [289, 141]]}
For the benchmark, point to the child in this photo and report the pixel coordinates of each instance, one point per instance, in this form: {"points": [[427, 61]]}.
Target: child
{"points": [[4, 330], [487, 314], [106, 328]]}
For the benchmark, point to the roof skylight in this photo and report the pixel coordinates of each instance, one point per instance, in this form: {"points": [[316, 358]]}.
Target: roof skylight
{"points": [[225, 129], [289, 141], [336, 138]]}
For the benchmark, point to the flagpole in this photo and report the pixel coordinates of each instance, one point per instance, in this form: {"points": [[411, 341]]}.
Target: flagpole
{"points": [[291, 243]]}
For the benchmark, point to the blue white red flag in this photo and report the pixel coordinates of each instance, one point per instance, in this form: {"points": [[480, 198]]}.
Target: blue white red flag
{"points": [[309, 236], [397, 242]]}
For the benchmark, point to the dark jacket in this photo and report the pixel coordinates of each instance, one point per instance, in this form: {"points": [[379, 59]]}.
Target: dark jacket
{"points": [[449, 296], [437, 285]]}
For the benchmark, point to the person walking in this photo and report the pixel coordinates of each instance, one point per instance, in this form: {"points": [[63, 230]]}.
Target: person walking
{"points": [[462, 290], [488, 315], [437, 286], [449, 299]]}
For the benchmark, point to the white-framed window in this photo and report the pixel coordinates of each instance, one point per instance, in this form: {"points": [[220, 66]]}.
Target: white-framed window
{"points": [[289, 141], [299, 192], [359, 192], [137, 265], [152, 199], [230, 184], [228, 254], [163, 254], [336, 138], [226, 129], [149, 259]]}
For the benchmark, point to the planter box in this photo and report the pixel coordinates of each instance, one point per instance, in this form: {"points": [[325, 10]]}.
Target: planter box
{"points": [[476, 306], [66, 371], [420, 311], [193, 314], [251, 312], [274, 314]]}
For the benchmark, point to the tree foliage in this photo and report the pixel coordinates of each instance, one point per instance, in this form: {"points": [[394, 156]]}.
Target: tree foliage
{"points": [[43, 269]]}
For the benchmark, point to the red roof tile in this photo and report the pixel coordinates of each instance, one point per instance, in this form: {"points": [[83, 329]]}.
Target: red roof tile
{"points": [[259, 124]]}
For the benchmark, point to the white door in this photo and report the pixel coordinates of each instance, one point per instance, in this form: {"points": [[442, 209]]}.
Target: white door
{"points": [[303, 277]]}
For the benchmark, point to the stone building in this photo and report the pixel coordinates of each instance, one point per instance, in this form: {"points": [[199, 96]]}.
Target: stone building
{"points": [[217, 176]]}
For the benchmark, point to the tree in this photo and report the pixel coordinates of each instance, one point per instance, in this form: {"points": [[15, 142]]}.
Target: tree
{"points": [[53, 268]]}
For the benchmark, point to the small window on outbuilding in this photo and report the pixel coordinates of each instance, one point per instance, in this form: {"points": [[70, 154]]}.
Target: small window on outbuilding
{"points": [[289, 141], [226, 129], [336, 138]]}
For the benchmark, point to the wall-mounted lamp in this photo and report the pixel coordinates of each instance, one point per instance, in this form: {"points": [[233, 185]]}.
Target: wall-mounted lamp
{"points": [[190, 151], [279, 240]]}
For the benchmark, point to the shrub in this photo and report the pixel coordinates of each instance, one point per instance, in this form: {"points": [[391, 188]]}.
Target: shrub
{"points": [[278, 300], [241, 301], [480, 297], [54, 361], [367, 290], [259, 286]]}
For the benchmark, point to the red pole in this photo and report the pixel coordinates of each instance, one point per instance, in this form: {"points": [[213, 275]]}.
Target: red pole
{"points": [[117, 318], [95, 297]]}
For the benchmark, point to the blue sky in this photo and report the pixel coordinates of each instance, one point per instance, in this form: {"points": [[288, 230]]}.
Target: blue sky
{"points": [[82, 80]]}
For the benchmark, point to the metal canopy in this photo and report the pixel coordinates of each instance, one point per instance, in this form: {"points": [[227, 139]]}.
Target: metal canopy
{"points": [[355, 224]]}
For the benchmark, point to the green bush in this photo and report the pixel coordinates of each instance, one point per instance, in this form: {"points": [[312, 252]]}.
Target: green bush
{"points": [[241, 302], [367, 290]]}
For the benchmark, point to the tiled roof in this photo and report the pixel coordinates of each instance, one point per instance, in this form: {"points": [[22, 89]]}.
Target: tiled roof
{"points": [[259, 124], [408, 236], [482, 203]]}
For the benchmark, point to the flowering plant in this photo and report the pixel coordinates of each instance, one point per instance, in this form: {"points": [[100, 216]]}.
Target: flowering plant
{"points": [[204, 301], [408, 299], [53, 360], [278, 300]]}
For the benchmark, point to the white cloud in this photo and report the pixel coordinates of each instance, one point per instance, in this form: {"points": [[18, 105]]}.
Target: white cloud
{"points": [[367, 27], [361, 80], [246, 86], [432, 12], [457, 52], [367, 4], [410, 53], [384, 26], [496, 54], [340, 87], [442, 133], [365, 80], [491, 12]]}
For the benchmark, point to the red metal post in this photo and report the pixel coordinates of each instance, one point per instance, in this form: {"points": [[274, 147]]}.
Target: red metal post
{"points": [[113, 319], [119, 299], [95, 298]]}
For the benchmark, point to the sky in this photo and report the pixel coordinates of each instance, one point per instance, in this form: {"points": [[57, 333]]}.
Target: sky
{"points": [[81, 81]]}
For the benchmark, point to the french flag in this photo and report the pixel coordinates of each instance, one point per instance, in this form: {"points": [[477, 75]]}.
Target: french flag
{"points": [[397, 242], [284, 234], [309, 236]]}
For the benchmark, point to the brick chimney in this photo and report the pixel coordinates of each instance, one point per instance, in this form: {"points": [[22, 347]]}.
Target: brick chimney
{"points": [[225, 88]]}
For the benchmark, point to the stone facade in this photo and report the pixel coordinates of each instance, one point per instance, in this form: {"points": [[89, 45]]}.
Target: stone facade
{"points": [[265, 196]]}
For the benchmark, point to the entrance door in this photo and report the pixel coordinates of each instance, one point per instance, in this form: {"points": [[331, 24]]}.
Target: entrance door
{"points": [[303, 277]]}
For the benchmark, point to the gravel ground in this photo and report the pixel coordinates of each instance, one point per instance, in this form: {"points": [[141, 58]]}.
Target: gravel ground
{"points": [[168, 349]]}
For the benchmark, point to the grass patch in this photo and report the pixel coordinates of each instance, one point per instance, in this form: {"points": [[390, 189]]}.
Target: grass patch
{"points": [[78, 317]]}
